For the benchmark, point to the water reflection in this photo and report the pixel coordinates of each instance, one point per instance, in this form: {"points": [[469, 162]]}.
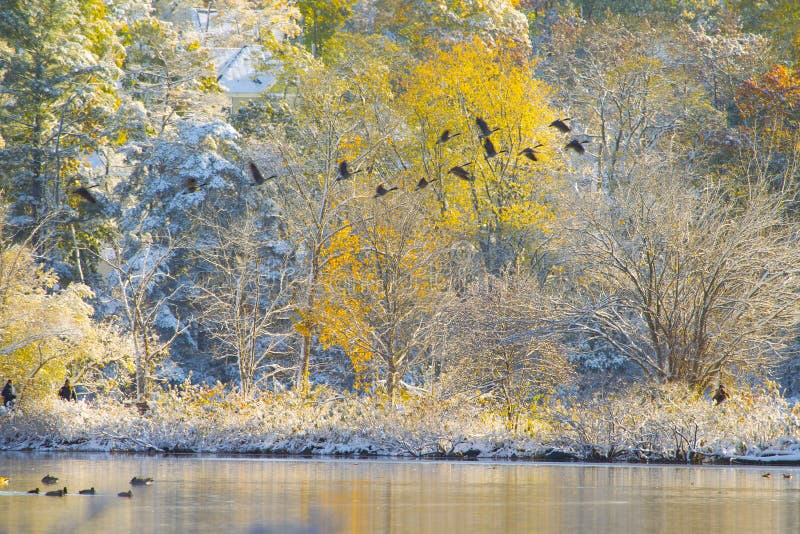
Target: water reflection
{"points": [[258, 495]]}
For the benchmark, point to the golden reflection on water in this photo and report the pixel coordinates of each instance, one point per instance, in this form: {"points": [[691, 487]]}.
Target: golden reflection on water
{"points": [[261, 495]]}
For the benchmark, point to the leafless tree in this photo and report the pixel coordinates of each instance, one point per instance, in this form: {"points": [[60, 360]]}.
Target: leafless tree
{"points": [[244, 299], [635, 87], [689, 284], [503, 343], [145, 303]]}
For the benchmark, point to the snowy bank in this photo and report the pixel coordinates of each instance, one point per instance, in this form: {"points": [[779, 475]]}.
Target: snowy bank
{"points": [[667, 427]]}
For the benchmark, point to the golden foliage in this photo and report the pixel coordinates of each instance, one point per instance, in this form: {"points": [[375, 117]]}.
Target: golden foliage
{"points": [[772, 98], [509, 196]]}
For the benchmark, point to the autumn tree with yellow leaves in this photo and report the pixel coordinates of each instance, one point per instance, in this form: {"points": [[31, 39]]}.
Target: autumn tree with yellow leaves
{"points": [[374, 269], [386, 294], [506, 203]]}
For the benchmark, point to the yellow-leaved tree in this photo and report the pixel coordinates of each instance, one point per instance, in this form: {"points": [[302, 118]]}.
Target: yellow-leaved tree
{"points": [[385, 291], [503, 202]]}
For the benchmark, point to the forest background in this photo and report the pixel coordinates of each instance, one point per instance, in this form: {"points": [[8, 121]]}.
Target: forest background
{"points": [[395, 248]]}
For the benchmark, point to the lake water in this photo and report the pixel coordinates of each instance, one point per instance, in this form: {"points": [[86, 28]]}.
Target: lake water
{"points": [[194, 494]]}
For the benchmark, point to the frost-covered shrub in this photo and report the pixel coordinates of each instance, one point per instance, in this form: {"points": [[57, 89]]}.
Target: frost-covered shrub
{"points": [[672, 421]]}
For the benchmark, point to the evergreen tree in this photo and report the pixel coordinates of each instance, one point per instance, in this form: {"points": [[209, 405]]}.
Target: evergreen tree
{"points": [[57, 88]]}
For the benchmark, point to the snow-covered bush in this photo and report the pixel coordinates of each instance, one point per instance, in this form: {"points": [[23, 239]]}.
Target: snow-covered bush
{"points": [[673, 422]]}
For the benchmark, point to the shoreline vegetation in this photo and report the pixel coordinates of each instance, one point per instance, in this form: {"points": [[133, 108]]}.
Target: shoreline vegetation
{"points": [[665, 425]]}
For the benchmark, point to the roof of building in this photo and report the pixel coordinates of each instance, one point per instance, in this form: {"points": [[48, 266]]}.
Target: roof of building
{"points": [[238, 69]]}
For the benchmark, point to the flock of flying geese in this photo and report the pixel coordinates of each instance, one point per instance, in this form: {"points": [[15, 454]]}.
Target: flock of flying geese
{"points": [[459, 170], [50, 480], [345, 172]]}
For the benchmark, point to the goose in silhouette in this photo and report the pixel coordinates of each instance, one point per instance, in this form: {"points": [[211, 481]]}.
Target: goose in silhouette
{"points": [[767, 475], [484, 128], [141, 481], [89, 491], [49, 479], [422, 184], [488, 147], [85, 194], [35, 491], [344, 170], [460, 171], [720, 395], [381, 190], [192, 186], [446, 136], [258, 178], [127, 494], [561, 125], [57, 493], [530, 152], [576, 145]]}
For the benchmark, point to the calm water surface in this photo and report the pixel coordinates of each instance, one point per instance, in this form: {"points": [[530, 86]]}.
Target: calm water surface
{"points": [[259, 495]]}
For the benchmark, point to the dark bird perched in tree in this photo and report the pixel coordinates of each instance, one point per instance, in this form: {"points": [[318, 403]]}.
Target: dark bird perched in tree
{"points": [[258, 178], [422, 184], [85, 194], [57, 493], [344, 171], [484, 128], [89, 491], [381, 190], [720, 395], [461, 172], [49, 479], [530, 152], [446, 136], [488, 147], [127, 494], [141, 481], [34, 490], [560, 125], [576, 145]]}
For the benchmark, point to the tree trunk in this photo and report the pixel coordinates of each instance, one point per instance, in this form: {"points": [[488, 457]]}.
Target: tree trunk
{"points": [[391, 381]]}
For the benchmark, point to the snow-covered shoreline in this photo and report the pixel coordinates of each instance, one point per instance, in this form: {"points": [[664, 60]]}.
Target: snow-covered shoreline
{"points": [[759, 429]]}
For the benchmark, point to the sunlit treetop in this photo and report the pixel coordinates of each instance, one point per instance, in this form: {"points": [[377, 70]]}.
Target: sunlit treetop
{"points": [[503, 193]]}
